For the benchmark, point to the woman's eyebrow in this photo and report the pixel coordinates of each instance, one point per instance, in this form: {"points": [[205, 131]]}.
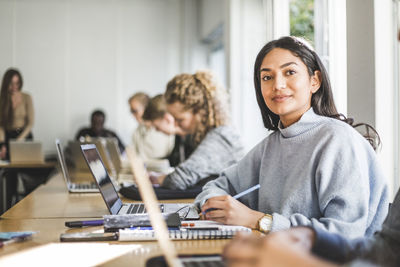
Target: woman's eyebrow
{"points": [[281, 66]]}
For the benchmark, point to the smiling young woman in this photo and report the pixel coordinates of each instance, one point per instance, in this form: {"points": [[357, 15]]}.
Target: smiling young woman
{"points": [[313, 169]]}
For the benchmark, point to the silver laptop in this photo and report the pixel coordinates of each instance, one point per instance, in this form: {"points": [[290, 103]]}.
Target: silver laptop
{"points": [[26, 152], [73, 187], [78, 160], [110, 195]]}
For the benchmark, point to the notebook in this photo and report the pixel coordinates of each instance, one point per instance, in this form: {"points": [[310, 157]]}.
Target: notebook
{"points": [[205, 230], [110, 195], [73, 187], [26, 152]]}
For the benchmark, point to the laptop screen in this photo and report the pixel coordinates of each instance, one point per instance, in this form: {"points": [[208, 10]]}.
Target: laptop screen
{"points": [[102, 178], [61, 158]]}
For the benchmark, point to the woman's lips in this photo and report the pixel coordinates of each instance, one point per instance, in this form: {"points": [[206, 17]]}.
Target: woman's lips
{"points": [[280, 98]]}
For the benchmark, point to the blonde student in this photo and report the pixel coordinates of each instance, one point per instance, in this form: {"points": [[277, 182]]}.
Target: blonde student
{"points": [[199, 107], [314, 168], [150, 144]]}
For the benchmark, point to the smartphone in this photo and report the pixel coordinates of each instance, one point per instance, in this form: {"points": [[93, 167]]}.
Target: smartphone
{"points": [[78, 237]]}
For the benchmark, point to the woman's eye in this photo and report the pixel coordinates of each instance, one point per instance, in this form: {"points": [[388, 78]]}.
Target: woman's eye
{"points": [[290, 72], [266, 78]]}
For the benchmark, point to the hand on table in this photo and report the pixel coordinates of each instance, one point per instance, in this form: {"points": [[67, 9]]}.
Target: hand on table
{"points": [[156, 178], [228, 210]]}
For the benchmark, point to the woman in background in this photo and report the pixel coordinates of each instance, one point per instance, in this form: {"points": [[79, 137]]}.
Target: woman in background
{"points": [[156, 113], [152, 146], [16, 121], [199, 108], [16, 112]]}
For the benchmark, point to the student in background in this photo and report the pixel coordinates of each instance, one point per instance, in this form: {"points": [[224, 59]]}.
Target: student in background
{"points": [[149, 144], [97, 119], [156, 113], [199, 107], [314, 168], [16, 122], [16, 112]]}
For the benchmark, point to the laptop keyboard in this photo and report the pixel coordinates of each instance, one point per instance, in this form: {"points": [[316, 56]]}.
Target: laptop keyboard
{"points": [[139, 208], [85, 186]]}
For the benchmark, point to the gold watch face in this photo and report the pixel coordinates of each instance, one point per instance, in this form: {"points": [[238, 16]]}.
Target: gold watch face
{"points": [[265, 224]]}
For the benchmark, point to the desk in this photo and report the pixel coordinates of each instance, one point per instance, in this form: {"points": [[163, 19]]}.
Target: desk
{"points": [[4, 166], [47, 208], [50, 230], [52, 200]]}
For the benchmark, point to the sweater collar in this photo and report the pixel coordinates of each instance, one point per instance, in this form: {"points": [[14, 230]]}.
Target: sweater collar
{"points": [[307, 122]]}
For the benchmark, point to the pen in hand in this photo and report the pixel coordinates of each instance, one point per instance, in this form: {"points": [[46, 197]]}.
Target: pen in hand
{"points": [[237, 196]]}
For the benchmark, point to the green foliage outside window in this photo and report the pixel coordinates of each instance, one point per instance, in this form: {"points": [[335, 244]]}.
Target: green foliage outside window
{"points": [[302, 19]]}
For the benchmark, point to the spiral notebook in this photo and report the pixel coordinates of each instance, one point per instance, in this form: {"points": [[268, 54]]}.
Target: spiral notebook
{"points": [[192, 231]]}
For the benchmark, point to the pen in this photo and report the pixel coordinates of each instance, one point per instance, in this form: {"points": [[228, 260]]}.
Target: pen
{"points": [[237, 196], [14, 240], [84, 223]]}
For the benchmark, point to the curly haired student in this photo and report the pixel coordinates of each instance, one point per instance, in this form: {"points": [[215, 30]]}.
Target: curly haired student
{"points": [[314, 168], [199, 108]]}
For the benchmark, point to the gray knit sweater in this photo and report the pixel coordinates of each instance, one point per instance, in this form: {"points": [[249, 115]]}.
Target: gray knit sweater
{"points": [[318, 172], [219, 149]]}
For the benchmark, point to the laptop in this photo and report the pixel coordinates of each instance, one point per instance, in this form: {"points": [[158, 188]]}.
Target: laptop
{"points": [[73, 187], [26, 152], [109, 193], [78, 159]]}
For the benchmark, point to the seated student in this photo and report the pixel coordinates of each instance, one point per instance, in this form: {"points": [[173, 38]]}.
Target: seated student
{"points": [[199, 108], [149, 144], [314, 168], [97, 129], [293, 247], [156, 113]]}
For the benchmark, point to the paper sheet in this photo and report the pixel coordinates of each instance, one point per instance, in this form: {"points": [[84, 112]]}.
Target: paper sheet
{"points": [[67, 254]]}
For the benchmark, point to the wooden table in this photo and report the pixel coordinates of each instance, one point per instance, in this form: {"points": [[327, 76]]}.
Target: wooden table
{"points": [[47, 208], [50, 230], [20, 165], [52, 200]]}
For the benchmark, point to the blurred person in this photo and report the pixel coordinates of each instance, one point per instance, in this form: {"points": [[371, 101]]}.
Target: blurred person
{"points": [[150, 144], [199, 107], [97, 129], [156, 113]]}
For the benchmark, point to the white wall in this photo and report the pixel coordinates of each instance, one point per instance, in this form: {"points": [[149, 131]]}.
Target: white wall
{"points": [[370, 73], [76, 56], [245, 35]]}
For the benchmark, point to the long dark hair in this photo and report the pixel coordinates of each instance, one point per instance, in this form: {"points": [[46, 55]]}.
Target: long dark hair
{"points": [[6, 111], [321, 101]]}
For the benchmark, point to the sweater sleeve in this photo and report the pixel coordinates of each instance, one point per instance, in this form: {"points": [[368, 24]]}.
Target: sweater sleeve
{"points": [[29, 118], [235, 179], [350, 188], [218, 150]]}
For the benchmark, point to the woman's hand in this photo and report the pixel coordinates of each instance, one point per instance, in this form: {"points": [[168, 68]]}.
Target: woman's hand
{"points": [[284, 248], [157, 178], [227, 210]]}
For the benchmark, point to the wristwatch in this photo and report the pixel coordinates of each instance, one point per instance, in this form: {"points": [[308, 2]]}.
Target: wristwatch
{"points": [[264, 224]]}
